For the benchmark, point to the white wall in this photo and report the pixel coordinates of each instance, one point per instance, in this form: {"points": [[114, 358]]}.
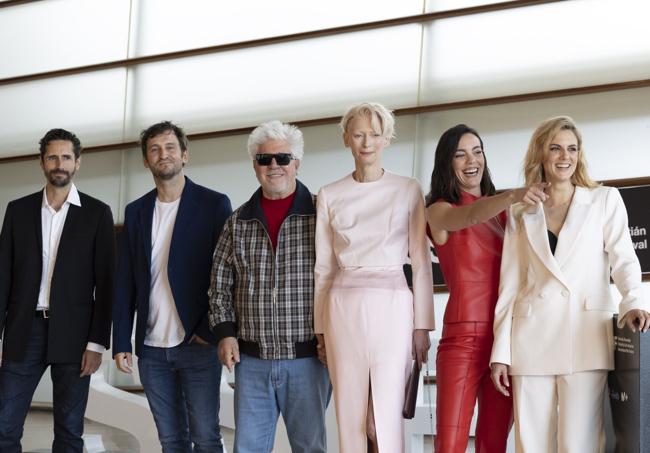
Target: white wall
{"points": [[615, 127]]}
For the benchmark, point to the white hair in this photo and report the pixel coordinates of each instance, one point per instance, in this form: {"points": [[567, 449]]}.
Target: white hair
{"points": [[381, 119], [276, 130]]}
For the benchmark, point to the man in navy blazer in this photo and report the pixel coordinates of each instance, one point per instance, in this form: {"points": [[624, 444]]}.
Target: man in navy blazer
{"points": [[164, 263]]}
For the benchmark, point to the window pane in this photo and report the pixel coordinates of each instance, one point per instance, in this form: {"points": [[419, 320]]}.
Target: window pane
{"points": [[55, 34], [536, 48], [169, 25], [298, 80], [446, 5], [90, 105]]}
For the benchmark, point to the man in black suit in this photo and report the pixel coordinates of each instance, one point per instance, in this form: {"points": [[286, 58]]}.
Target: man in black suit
{"points": [[57, 259]]}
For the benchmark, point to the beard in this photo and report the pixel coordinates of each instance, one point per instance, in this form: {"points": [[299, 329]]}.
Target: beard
{"points": [[57, 181], [165, 174]]}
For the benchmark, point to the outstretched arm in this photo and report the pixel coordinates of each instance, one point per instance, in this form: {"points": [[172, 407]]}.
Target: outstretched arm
{"points": [[443, 217]]}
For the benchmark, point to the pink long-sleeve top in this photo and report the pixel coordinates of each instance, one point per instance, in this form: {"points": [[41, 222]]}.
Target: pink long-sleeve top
{"points": [[375, 226]]}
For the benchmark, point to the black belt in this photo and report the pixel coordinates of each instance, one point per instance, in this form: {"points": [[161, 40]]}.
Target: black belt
{"points": [[44, 313], [302, 348]]}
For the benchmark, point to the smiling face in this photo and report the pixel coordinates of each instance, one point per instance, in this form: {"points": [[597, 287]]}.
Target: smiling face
{"points": [[164, 156], [59, 163], [365, 142], [561, 157], [277, 181], [468, 164]]}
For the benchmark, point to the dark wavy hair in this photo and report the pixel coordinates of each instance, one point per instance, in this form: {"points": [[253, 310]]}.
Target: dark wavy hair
{"points": [[444, 184], [162, 128], [59, 134]]}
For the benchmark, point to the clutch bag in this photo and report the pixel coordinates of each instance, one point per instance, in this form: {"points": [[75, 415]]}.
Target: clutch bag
{"points": [[411, 392]]}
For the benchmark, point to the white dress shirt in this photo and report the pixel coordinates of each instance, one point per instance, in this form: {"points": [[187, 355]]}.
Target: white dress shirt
{"points": [[52, 222]]}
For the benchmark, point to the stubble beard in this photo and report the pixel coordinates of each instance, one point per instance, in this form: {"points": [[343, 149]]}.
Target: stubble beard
{"points": [[166, 175], [56, 182]]}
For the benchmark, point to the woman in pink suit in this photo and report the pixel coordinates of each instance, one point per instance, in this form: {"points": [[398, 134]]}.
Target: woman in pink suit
{"points": [[467, 221], [366, 319]]}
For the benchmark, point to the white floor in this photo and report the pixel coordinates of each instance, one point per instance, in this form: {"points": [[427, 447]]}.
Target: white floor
{"points": [[38, 435], [100, 438]]}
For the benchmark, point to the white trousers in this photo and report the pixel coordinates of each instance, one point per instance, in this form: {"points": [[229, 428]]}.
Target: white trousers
{"points": [[561, 413]]}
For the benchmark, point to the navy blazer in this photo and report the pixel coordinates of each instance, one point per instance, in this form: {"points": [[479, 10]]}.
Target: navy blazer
{"points": [[201, 215]]}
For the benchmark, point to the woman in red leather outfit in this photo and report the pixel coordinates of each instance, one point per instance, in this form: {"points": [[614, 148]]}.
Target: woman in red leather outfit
{"points": [[466, 221]]}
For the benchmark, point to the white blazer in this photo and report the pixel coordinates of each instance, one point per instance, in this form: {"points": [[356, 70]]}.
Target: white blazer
{"points": [[554, 313]]}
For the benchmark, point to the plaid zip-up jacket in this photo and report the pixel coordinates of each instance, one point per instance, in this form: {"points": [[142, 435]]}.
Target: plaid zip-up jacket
{"points": [[265, 298]]}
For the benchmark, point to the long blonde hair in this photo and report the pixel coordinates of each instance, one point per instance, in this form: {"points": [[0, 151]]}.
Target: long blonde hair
{"points": [[538, 146]]}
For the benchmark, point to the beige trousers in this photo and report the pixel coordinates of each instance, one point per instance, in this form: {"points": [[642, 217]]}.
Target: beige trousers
{"points": [[560, 414], [368, 338]]}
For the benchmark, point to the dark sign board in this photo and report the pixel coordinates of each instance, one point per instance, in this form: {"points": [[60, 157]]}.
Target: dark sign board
{"points": [[438, 279], [637, 202], [629, 390]]}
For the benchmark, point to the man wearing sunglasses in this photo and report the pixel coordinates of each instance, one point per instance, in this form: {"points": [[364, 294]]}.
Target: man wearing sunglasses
{"points": [[261, 301]]}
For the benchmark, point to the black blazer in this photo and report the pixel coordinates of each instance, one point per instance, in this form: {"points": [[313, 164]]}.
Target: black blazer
{"points": [[81, 290]]}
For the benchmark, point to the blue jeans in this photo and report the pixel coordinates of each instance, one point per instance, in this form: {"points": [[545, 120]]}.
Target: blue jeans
{"points": [[18, 381], [299, 389], [182, 387]]}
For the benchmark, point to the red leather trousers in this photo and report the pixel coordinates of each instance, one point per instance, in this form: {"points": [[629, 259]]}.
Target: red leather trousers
{"points": [[462, 377]]}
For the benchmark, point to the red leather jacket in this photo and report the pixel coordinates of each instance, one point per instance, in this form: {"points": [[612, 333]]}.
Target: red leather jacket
{"points": [[471, 261]]}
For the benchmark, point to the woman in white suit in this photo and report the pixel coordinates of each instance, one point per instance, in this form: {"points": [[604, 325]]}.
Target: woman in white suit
{"points": [[553, 320]]}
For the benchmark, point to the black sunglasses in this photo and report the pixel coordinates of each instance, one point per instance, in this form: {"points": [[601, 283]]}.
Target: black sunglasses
{"points": [[280, 158]]}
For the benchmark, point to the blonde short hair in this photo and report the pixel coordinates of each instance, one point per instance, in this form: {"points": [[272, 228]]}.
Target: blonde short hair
{"points": [[538, 147], [381, 118]]}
